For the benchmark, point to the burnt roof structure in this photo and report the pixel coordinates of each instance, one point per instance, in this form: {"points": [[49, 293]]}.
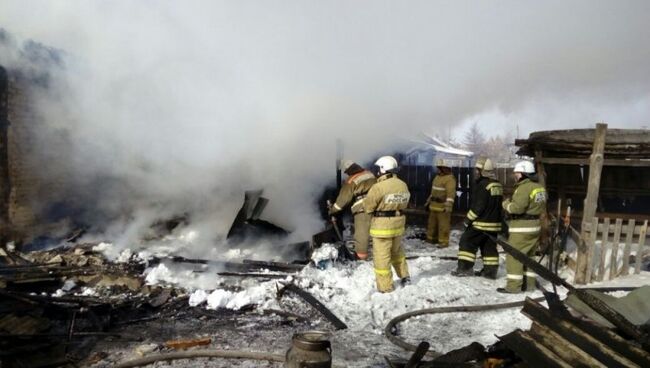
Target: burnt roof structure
{"points": [[620, 144]]}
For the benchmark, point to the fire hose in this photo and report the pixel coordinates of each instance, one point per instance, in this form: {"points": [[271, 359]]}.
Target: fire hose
{"points": [[605, 310], [226, 354]]}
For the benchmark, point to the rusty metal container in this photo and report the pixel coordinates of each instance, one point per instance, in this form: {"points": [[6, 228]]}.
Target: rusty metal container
{"points": [[309, 349]]}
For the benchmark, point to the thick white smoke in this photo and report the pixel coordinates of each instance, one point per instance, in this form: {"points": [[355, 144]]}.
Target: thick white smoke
{"points": [[178, 106]]}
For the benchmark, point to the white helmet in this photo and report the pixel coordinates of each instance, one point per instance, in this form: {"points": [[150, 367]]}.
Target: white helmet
{"points": [[484, 163], [386, 164], [440, 162], [345, 164], [525, 167]]}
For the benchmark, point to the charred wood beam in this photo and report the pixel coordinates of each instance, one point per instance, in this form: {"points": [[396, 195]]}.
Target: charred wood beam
{"points": [[534, 354], [245, 266], [320, 307], [417, 356], [581, 339], [275, 266], [563, 348], [254, 275], [594, 303]]}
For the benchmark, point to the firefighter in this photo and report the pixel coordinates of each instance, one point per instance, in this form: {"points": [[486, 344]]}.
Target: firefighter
{"points": [[483, 218], [354, 191], [385, 201], [441, 203], [524, 226]]}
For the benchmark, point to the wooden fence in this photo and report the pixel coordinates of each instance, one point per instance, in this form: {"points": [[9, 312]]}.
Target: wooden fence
{"points": [[608, 259]]}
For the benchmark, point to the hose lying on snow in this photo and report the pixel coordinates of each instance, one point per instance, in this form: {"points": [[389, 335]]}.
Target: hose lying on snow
{"points": [[391, 328], [226, 354]]}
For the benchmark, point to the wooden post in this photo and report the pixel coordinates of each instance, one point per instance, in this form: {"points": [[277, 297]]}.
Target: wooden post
{"points": [[639, 250], [603, 250], [591, 201], [628, 248], [591, 246], [613, 260], [5, 182], [541, 179]]}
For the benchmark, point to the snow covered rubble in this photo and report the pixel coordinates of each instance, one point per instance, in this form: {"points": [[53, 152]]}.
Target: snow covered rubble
{"points": [[349, 291]]}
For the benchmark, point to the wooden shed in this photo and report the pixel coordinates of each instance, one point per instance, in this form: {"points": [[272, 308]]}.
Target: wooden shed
{"points": [[606, 175]]}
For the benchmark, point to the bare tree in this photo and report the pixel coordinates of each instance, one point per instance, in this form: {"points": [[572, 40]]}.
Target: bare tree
{"points": [[474, 140]]}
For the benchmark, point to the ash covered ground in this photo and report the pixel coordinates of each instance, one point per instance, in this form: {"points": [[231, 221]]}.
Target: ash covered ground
{"points": [[197, 301], [349, 291]]}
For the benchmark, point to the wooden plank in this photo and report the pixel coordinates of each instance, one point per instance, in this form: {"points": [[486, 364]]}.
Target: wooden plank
{"points": [[625, 269], [613, 259], [533, 354], [611, 229], [591, 200], [591, 245], [338, 324], [585, 162], [608, 337], [603, 251], [639, 248], [562, 347], [600, 351]]}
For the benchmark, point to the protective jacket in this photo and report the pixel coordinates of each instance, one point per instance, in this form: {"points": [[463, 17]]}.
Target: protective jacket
{"points": [[384, 201], [443, 193], [527, 203], [485, 211], [354, 190]]}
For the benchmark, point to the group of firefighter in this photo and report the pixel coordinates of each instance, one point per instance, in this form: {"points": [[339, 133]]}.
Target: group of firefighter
{"points": [[377, 205]]}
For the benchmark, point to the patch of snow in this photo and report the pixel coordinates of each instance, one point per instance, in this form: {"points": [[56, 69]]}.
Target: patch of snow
{"points": [[102, 247], [125, 256], [159, 274], [198, 297], [327, 252], [219, 299], [58, 293], [88, 291]]}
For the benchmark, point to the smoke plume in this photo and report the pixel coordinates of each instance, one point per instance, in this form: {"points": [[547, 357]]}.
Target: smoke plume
{"points": [[156, 108]]}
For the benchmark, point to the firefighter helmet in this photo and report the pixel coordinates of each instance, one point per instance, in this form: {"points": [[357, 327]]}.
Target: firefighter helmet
{"points": [[440, 162], [524, 167], [386, 164], [484, 163], [345, 164]]}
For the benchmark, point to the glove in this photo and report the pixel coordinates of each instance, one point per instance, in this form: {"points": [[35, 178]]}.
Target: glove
{"points": [[467, 223]]}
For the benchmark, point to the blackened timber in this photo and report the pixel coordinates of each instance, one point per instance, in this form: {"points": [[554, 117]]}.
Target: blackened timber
{"points": [[5, 183], [589, 344], [594, 303], [255, 275], [275, 266], [535, 355], [562, 347], [246, 266], [417, 356], [628, 349], [338, 324]]}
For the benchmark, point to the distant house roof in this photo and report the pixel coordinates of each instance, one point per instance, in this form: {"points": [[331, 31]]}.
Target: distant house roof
{"points": [[426, 142]]}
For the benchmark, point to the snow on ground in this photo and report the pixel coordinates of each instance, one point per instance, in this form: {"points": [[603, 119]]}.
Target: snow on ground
{"points": [[349, 291]]}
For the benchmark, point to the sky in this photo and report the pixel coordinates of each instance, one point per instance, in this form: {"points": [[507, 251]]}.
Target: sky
{"points": [[185, 103]]}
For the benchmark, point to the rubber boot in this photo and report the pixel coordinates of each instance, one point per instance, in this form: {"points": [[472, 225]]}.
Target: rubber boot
{"points": [[464, 269], [489, 272]]}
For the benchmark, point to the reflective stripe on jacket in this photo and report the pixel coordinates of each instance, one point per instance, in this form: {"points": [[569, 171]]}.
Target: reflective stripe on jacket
{"points": [[485, 211], [354, 187], [388, 194], [529, 199], [443, 190]]}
